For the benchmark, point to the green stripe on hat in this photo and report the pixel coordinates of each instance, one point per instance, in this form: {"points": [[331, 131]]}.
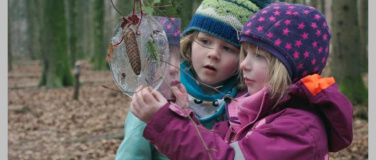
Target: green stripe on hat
{"points": [[235, 12]]}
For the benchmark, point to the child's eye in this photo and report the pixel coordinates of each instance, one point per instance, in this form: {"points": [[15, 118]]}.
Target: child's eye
{"points": [[204, 41], [259, 56], [228, 49], [245, 53]]}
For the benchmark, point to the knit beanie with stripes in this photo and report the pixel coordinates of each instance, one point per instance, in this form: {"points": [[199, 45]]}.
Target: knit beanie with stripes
{"points": [[223, 18]]}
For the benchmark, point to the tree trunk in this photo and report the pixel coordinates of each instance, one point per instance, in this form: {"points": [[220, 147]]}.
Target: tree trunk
{"points": [[322, 6], [346, 65], [76, 80], [363, 26], [313, 3], [33, 25], [112, 19], [56, 69], [9, 46], [99, 48], [188, 9], [18, 19], [318, 4], [298, 1], [81, 28], [85, 30], [72, 29]]}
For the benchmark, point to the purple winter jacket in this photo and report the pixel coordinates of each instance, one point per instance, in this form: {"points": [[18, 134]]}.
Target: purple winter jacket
{"points": [[312, 120]]}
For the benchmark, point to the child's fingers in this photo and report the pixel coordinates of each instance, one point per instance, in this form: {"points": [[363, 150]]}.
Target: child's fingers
{"points": [[158, 96], [148, 96], [175, 90], [136, 101], [135, 108], [181, 95], [139, 88], [138, 98], [179, 91], [182, 88], [138, 112]]}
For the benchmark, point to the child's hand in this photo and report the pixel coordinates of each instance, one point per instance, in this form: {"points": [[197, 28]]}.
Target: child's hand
{"points": [[181, 95], [146, 102]]}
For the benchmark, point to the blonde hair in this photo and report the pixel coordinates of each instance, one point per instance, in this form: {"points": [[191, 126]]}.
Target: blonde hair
{"points": [[278, 77], [186, 54], [186, 47]]}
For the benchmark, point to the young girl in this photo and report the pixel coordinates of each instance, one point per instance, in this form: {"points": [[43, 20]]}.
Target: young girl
{"points": [[290, 112], [210, 53]]}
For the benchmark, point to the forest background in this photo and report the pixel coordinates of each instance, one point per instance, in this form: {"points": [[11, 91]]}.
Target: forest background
{"points": [[48, 118]]}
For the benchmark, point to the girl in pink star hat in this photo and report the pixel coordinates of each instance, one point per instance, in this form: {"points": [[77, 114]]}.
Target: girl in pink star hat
{"points": [[290, 111]]}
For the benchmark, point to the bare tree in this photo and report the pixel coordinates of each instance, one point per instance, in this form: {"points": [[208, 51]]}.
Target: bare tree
{"points": [[363, 26], [71, 17], [346, 65], [56, 69], [9, 45], [84, 29], [98, 33]]}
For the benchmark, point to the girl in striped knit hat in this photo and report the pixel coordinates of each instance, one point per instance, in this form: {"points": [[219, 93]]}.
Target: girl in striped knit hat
{"points": [[210, 58]]}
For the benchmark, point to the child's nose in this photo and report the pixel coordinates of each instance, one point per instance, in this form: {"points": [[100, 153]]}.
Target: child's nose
{"points": [[172, 70], [214, 53], [245, 65]]}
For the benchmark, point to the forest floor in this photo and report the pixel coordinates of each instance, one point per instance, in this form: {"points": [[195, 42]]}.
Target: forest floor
{"points": [[47, 124]]}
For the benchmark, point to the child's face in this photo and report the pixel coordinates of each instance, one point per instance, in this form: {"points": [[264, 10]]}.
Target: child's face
{"points": [[172, 78], [213, 59], [255, 69]]}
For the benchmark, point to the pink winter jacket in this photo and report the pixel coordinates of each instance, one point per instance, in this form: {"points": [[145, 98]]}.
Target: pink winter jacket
{"points": [[312, 120]]}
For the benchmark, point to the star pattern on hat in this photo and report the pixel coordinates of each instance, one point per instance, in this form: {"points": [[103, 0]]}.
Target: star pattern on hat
{"points": [[286, 31], [270, 35], [301, 26], [277, 42], [300, 32], [277, 13], [272, 18], [170, 25], [306, 54], [298, 43], [172, 28]]}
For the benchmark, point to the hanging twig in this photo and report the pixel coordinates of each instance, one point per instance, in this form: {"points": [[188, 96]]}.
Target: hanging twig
{"points": [[116, 8], [164, 13]]}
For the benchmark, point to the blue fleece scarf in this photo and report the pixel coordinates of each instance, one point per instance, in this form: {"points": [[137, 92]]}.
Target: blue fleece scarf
{"points": [[195, 90]]}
